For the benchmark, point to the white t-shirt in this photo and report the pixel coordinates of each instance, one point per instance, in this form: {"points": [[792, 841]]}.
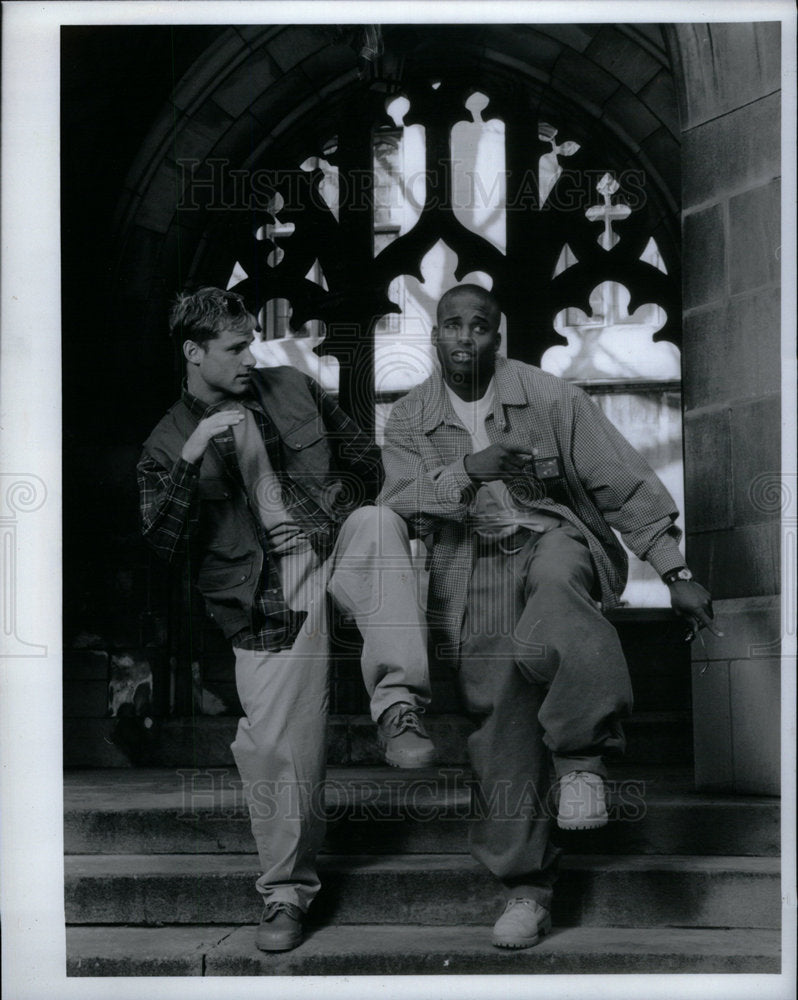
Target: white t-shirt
{"points": [[496, 513]]}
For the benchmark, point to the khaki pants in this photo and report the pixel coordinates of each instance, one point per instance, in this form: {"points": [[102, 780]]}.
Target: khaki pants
{"points": [[281, 744]]}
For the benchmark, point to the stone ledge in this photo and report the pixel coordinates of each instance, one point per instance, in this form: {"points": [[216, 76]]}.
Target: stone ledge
{"points": [[401, 949]]}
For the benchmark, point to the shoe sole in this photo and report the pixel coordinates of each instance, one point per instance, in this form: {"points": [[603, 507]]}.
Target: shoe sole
{"points": [[286, 945], [582, 824], [413, 763], [516, 945]]}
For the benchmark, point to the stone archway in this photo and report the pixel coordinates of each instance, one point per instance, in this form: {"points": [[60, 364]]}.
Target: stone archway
{"points": [[273, 96]]}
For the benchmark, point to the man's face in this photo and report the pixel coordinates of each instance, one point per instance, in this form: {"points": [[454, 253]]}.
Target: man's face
{"points": [[467, 338], [222, 368]]}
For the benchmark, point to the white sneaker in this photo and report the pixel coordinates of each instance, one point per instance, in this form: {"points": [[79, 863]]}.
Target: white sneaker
{"points": [[583, 801]]}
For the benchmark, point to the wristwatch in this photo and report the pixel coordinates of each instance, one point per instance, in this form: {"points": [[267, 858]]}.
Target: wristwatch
{"points": [[677, 574]]}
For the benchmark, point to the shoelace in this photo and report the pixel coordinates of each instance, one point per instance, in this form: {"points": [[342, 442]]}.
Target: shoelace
{"points": [[528, 903], [407, 719]]}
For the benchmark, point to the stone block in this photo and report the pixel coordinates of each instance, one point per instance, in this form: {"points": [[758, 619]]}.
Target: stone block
{"points": [[733, 352], [659, 96], [575, 36], [592, 83], [85, 665], [732, 153], [329, 64], [726, 66], [751, 627], [158, 210], [665, 154], [206, 72], [296, 43], [707, 470], [251, 77], [520, 48], [704, 245], [623, 57], [738, 562], [756, 725], [211, 118], [755, 238], [140, 951], [625, 110], [756, 459], [192, 141], [280, 101], [712, 725]]}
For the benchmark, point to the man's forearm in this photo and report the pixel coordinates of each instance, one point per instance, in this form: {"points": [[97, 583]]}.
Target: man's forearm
{"points": [[168, 504]]}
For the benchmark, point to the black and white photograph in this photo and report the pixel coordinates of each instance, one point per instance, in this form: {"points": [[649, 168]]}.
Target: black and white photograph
{"points": [[327, 347]]}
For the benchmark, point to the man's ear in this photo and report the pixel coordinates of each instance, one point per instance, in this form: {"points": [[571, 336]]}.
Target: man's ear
{"points": [[434, 336], [192, 352]]}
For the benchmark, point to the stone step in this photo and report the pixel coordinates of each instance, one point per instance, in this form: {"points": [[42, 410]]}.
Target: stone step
{"points": [[659, 891], [412, 950], [385, 811], [204, 741]]}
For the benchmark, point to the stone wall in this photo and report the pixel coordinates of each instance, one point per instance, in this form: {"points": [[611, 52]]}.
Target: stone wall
{"points": [[731, 133]]}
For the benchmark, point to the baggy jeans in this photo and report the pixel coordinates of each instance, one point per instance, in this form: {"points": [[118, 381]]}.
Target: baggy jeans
{"points": [[281, 743], [543, 674]]}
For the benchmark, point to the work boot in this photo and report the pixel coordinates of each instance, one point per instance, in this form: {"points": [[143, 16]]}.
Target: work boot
{"points": [[522, 924], [280, 927], [583, 804], [403, 739]]}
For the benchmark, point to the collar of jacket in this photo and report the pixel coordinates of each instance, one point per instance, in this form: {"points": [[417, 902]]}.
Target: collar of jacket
{"points": [[508, 387], [200, 410]]}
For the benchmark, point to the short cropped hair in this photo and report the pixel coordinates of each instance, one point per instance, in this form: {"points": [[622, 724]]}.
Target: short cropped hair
{"points": [[202, 315], [486, 294]]}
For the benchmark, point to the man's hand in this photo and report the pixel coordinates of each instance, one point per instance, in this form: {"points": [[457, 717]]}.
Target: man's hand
{"points": [[498, 461], [691, 601], [194, 448]]}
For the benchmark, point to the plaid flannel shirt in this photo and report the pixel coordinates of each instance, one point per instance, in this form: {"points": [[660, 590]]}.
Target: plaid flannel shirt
{"points": [[169, 505], [600, 482]]}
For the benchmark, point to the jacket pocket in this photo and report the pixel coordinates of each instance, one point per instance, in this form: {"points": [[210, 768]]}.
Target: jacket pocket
{"points": [[308, 433], [219, 580], [213, 488]]}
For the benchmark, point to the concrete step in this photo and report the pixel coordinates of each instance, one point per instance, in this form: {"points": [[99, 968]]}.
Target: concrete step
{"points": [[653, 891], [385, 811], [662, 738], [413, 950]]}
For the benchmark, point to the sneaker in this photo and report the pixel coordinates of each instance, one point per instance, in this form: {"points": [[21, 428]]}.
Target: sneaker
{"points": [[522, 924], [403, 739], [583, 804], [280, 927]]}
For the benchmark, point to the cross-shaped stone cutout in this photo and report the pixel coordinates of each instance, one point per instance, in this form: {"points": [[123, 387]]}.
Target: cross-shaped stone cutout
{"points": [[272, 231], [610, 213]]}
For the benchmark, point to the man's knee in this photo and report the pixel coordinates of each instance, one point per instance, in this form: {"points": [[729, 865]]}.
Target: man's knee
{"points": [[375, 523], [560, 561]]}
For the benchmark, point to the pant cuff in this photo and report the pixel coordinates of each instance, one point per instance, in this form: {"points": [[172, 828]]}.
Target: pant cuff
{"points": [[565, 763]]}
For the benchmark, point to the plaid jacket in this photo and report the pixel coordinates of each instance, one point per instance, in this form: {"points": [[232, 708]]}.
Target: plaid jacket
{"points": [[586, 472], [199, 512]]}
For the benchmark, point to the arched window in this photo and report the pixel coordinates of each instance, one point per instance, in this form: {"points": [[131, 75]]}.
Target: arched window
{"points": [[442, 183]]}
